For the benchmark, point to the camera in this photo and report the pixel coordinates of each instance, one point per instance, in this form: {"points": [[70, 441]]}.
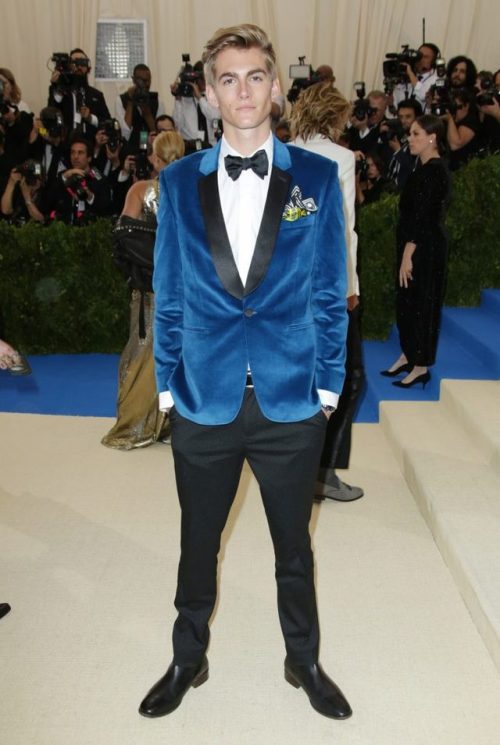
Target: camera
{"points": [[62, 63], [394, 129], [142, 165], [52, 122], [31, 170], [187, 76], [362, 169], [394, 66], [361, 108], [487, 93], [440, 91], [141, 93], [111, 128], [77, 185], [302, 76]]}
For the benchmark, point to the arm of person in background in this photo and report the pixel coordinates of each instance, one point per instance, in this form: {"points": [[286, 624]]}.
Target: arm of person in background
{"points": [[459, 136], [491, 110], [7, 202], [29, 192], [124, 116]]}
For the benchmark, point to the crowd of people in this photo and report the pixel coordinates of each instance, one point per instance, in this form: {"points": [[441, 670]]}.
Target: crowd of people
{"points": [[75, 161]]}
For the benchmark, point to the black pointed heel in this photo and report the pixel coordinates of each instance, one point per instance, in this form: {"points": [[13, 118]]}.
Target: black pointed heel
{"points": [[392, 373], [424, 379]]}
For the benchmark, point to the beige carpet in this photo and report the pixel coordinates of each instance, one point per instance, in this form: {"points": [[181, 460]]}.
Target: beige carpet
{"points": [[88, 552]]}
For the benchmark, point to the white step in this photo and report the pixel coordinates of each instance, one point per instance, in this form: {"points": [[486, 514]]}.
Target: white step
{"points": [[449, 470]]}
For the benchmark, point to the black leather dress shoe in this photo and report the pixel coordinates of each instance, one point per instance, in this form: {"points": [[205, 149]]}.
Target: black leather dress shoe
{"points": [[167, 694], [4, 609], [324, 695]]}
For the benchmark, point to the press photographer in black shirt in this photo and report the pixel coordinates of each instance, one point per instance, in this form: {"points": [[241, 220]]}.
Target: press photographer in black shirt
{"points": [[83, 192], [81, 105]]}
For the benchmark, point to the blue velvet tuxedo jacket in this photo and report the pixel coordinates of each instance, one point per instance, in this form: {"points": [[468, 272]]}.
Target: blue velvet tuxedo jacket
{"points": [[288, 323]]}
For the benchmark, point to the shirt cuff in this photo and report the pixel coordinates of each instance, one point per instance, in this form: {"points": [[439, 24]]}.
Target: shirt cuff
{"points": [[165, 401], [327, 398]]}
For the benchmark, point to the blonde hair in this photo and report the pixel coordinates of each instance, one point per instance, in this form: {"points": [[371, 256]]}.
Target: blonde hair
{"points": [[15, 95], [168, 146], [320, 109], [245, 36]]}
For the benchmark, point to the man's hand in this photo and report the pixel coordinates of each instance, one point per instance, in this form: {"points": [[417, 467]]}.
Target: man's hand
{"points": [[85, 113], [352, 302], [15, 177], [73, 172], [491, 109]]}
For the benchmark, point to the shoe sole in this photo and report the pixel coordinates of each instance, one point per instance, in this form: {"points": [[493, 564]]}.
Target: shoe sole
{"points": [[322, 497]]}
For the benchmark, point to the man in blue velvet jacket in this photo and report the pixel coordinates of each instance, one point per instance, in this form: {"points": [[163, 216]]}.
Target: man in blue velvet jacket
{"points": [[250, 327]]}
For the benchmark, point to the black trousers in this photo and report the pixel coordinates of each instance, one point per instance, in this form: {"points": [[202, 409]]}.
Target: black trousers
{"points": [[337, 446], [284, 458]]}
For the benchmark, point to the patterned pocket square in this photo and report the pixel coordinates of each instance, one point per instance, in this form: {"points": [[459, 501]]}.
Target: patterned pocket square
{"points": [[298, 206]]}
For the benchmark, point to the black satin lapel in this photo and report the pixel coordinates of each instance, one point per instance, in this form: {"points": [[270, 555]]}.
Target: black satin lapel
{"points": [[220, 248], [269, 227]]}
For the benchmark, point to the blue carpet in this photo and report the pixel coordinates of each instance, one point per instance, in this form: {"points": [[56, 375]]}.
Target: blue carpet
{"points": [[85, 385]]}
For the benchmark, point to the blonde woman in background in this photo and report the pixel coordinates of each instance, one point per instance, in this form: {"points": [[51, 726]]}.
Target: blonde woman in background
{"points": [[318, 119], [139, 422]]}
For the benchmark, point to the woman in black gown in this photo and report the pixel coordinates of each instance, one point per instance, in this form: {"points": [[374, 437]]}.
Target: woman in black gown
{"points": [[422, 251]]}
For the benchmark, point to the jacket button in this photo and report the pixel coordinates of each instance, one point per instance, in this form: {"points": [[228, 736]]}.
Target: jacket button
{"points": [[249, 312]]}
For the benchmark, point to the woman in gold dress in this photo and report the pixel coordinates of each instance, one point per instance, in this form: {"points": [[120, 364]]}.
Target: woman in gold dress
{"points": [[139, 422]]}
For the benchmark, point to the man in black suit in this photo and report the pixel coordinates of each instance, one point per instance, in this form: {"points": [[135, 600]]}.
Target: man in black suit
{"points": [[249, 338], [81, 105]]}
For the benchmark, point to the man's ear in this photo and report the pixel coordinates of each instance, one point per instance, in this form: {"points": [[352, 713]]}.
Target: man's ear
{"points": [[275, 88], [211, 97]]}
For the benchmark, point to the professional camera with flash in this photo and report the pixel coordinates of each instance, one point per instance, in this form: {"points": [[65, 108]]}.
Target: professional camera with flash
{"points": [[302, 76]]}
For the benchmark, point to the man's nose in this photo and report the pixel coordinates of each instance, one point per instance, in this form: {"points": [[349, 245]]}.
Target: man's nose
{"points": [[243, 92]]}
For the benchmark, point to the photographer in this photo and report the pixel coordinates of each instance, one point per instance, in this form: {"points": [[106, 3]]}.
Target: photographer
{"points": [[488, 103], [196, 120], [461, 73], [46, 145], [371, 181], [22, 195], [109, 158], [81, 105], [137, 108], [402, 162], [463, 128], [15, 119], [419, 77], [83, 193]]}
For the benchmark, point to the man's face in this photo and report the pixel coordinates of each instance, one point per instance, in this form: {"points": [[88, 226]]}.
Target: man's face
{"points": [[406, 118], [79, 157], [165, 125], [458, 75], [379, 105], [243, 90], [80, 64], [426, 62], [142, 79]]}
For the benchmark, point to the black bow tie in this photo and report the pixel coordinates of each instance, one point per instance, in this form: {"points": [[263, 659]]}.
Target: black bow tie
{"points": [[258, 163]]}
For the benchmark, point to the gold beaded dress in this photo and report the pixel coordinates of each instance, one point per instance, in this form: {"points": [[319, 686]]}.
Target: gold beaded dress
{"points": [[139, 422]]}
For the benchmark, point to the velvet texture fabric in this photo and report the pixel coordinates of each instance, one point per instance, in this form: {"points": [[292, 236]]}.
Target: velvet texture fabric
{"points": [[289, 321]]}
